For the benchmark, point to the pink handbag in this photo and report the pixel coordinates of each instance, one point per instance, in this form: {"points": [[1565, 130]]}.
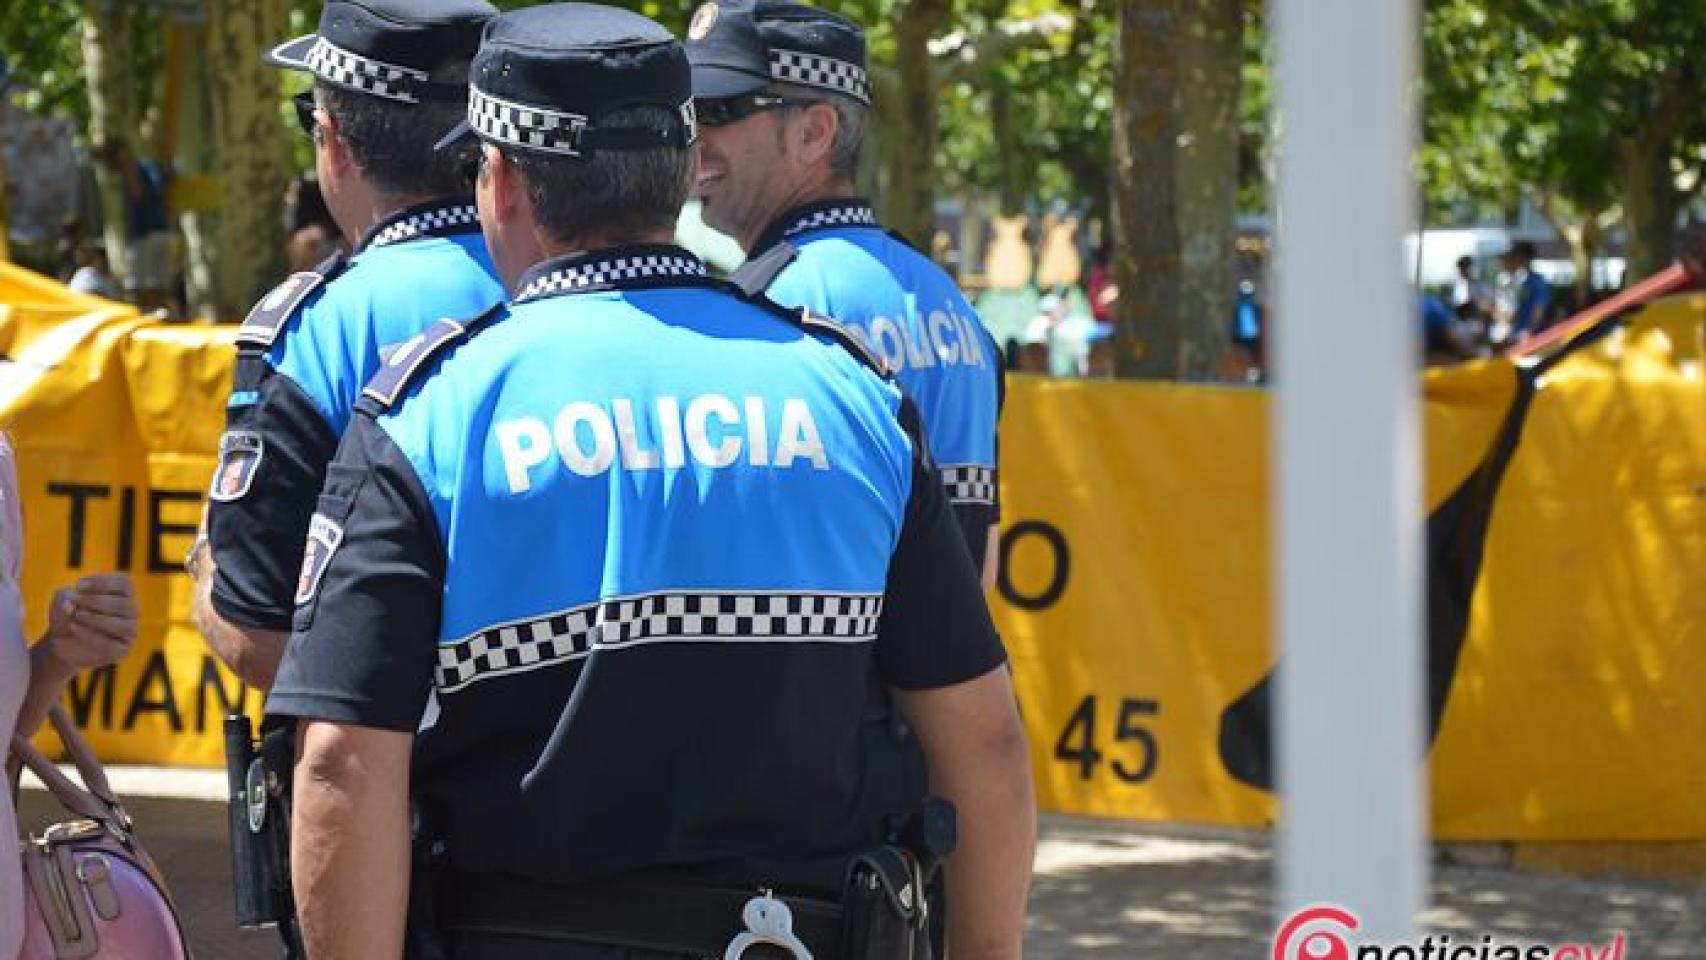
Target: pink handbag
{"points": [[90, 891]]}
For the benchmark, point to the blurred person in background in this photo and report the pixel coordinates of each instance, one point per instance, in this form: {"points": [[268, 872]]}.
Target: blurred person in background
{"points": [[90, 624]]}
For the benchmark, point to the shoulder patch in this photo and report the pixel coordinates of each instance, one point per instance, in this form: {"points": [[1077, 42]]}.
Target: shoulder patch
{"points": [[240, 453], [847, 337], [410, 357], [260, 328], [324, 536], [756, 275]]}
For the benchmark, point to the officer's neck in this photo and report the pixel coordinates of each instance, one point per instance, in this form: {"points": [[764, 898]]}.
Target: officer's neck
{"points": [[367, 207], [553, 248], [815, 190]]}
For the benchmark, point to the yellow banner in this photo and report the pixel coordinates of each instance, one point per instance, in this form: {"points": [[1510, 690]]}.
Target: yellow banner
{"points": [[1134, 589]]}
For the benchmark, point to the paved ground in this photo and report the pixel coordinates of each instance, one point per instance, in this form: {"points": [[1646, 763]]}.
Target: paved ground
{"points": [[1102, 891]]}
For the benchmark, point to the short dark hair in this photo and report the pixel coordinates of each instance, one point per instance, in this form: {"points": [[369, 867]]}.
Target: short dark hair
{"points": [[616, 195], [393, 142], [1523, 250]]}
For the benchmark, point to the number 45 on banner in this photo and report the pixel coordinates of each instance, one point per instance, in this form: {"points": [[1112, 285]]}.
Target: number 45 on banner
{"points": [[1077, 743]]}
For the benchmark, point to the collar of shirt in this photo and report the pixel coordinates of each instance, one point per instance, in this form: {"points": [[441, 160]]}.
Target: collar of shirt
{"points": [[613, 268], [438, 218], [840, 212]]}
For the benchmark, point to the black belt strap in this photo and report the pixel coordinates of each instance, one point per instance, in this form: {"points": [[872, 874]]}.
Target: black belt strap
{"points": [[637, 914]]}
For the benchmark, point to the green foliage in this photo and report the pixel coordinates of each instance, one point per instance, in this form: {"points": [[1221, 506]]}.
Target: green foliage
{"points": [[42, 43], [1529, 97]]}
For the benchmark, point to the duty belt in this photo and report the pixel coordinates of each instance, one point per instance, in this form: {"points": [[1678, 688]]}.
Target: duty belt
{"points": [[638, 914]]}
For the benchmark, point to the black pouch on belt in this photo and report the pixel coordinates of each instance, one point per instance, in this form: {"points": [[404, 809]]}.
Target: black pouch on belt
{"points": [[883, 913]]}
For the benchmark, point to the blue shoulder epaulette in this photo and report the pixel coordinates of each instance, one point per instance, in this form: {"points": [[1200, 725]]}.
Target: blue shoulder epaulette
{"points": [[260, 328], [756, 275], [410, 357], [818, 323]]}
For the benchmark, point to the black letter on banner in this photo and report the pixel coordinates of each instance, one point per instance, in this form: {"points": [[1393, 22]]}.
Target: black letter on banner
{"points": [[82, 699], [227, 704], [80, 494], [126, 527], [1062, 565], [159, 529], [167, 704]]}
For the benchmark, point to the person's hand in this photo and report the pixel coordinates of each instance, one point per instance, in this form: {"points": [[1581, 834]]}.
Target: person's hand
{"points": [[93, 622]]}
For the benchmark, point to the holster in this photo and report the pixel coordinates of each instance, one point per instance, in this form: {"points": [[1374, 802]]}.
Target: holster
{"points": [[258, 818], [883, 911]]}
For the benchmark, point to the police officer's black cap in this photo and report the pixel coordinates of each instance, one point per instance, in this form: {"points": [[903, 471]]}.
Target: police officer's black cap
{"points": [[740, 46], [387, 48], [546, 77]]}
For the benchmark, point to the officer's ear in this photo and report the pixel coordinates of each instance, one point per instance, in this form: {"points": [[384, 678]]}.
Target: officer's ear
{"points": [[506, 190], [330, 138], [812, 132]]}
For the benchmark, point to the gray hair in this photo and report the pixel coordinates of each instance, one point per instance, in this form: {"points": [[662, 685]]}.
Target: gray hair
{"points": [[619, 196], [852, 117]]}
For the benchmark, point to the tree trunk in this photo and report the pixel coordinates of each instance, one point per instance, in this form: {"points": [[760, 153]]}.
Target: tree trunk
{"points": [[253, 157], [1212, 58], [197, 156], [1651, 203], [107, 65], [1015, 172], [1148, 340], [907, 139]]}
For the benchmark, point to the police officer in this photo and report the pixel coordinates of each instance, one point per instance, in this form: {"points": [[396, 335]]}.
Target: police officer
{"points": [[388, 76], [784, 101], [601, 574]]}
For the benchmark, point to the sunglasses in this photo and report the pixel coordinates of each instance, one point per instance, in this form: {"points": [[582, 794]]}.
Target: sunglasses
{"points": [[722, 111], [304, 103], [470, 166]]}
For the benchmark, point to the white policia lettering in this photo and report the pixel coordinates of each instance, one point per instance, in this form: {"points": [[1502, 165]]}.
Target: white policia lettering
{"points": [[943, 337], [588, 438]]}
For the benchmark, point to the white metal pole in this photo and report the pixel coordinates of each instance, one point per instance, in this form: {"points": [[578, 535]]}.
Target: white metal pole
{"points": [[1348, 464]]}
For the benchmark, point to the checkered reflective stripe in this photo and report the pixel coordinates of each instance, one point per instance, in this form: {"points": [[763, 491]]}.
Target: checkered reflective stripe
{"points": [[969, 483], [454, 218], [664, 617], [610, 271], [844, 215], [334, 64], [813, 70], [524, 126]]}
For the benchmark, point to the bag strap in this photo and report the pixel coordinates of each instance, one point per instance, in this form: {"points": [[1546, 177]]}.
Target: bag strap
{"points": [[95, 800], [89, 767]]}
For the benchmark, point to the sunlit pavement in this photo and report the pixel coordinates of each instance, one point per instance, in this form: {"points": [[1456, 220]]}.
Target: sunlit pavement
{"points": [[1102, 890]]}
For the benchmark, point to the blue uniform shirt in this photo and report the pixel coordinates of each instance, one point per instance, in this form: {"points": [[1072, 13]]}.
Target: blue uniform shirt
{"points": [[304, 354], [623, 560], [904, 309], [1533, 303]]}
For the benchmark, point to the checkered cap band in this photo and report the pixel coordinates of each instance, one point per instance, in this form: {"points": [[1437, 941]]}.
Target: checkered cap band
{"points": [[611, 271], [846, 215], [664, 617], [522, 126], [432, 222], [969, 483], [814, 70], [335, 65]]}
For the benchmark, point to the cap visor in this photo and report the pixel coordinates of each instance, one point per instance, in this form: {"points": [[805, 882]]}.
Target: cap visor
{"points": [[458, 135], [292, 54], [713, 82]]}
